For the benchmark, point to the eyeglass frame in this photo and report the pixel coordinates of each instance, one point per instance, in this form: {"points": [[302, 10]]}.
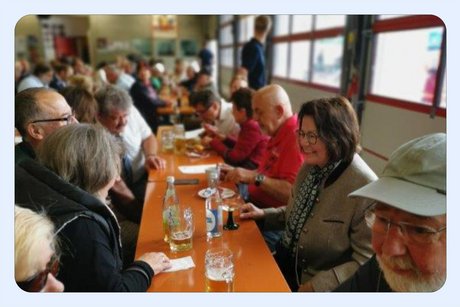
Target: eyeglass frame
{"points": [[67, 119], [306, 136], [37, 282], [433, 234], [205, 109]]}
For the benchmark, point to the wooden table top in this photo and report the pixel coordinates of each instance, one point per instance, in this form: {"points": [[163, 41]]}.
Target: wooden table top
{"points": [[255, 268]]}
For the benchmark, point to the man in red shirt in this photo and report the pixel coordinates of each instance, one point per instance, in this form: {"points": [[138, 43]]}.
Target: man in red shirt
{"points": [[270, 185]]}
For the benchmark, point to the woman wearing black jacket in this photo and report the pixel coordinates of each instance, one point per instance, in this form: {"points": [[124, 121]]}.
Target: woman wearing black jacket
{"points": [[77, 166]]}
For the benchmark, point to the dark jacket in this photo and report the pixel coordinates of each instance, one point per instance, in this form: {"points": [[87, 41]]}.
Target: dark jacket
{"points": [[88, 232], [253, 59], [368, 278], [23, 151], [146, 101]]}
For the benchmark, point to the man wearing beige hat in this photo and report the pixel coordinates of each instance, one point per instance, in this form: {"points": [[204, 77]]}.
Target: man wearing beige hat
{"points": [[408, 221]]}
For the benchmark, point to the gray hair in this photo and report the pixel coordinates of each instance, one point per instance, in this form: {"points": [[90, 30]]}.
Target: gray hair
{"points": [[26, 108], [110, 97], [85, 155]]}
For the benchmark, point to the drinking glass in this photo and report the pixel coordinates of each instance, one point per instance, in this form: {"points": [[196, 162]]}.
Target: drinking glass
{"points": [[167, 141], [181, 229], [219, 270], [180, 143], [230, 205]]}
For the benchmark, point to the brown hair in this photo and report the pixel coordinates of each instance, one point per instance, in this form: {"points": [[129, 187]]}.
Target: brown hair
{"points": [[82, 103], [262, 23], [337, 125]]}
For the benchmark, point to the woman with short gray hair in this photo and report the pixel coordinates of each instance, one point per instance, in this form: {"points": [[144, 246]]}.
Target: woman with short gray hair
{"points": [[79, 164]]}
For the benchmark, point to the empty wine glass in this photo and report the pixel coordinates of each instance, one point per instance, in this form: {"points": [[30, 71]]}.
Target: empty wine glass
{"points": [[231, 204]]}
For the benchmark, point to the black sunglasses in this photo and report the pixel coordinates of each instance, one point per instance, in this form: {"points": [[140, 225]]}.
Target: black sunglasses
{"points": [[37, 283]]}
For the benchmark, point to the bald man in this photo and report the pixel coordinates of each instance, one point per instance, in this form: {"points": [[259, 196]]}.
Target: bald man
{"points": [[38, 112], [270, 185]]}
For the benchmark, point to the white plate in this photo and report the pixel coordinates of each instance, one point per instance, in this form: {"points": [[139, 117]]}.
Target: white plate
{"points": [[224, 193]]}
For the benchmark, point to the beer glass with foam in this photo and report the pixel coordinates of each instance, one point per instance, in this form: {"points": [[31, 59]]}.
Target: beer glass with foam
{"points": [[219, 270], [181, 230]]}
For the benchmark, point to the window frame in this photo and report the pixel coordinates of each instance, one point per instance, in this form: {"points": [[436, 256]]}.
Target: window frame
{"points": [[402, 23], [312, 36]]}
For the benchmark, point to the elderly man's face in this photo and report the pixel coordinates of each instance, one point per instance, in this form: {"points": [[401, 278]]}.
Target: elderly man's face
{"points": [[115, 121], [409, 265], [265, 114], [53, 107]]}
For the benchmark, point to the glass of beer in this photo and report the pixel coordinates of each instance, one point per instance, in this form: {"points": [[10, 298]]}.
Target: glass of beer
{"points": [[180, 142], [219, 270], [181, 231], [167, 141]]}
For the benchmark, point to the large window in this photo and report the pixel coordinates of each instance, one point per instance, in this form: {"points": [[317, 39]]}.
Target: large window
{"points": [[407, 72], [300, 61], [246, 28], [226, 41], [310, 47]]}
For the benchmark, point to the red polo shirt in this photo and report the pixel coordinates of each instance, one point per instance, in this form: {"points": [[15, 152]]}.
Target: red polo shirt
{"points": [[282, 160]]}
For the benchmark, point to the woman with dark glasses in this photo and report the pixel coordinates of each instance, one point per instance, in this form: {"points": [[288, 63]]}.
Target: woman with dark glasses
{"points": [[35, 257]]}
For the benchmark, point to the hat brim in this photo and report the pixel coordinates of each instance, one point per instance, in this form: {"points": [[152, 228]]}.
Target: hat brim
{"points": [[404, 195]]}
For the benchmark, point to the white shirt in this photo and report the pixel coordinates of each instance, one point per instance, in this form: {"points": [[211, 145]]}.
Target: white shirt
{"points": [[135, 132], [125, 82], [226, 123], [29, 82]]}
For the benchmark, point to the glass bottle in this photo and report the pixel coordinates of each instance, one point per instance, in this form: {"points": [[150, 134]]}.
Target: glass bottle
{"points": [[214, 223], [170, 207]]}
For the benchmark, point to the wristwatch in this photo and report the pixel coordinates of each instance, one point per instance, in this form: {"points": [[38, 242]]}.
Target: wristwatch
{"points": [[259, 179]]}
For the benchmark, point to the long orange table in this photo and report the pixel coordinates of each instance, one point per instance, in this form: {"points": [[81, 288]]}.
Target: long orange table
{"points": [[255, 268]]}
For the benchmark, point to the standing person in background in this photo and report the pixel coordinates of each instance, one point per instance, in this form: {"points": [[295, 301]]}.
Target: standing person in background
{"points": [[205, 56], [36, 258], [325, 237], [252, 55]]}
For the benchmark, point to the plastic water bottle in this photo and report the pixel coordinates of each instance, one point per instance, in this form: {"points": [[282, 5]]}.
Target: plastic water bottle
{"points": [[170, 207], [214, 223]]}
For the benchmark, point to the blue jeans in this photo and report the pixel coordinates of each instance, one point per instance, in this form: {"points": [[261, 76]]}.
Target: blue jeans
{"points": [[272, 237]]}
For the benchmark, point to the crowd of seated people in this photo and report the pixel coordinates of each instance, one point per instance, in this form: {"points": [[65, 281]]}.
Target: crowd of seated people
{"points": [[295, 171]]}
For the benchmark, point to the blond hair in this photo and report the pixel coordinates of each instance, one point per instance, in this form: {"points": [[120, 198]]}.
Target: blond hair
{"points": [[32, 231]]}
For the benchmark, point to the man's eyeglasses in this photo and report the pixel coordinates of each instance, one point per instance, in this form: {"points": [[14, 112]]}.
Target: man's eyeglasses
{"points": [[68, 119], [37, 283], [310, 137], [411, 233], [204, 110]]}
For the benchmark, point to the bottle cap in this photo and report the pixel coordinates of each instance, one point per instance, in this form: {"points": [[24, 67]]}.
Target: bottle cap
{"points": [[170, 179]]}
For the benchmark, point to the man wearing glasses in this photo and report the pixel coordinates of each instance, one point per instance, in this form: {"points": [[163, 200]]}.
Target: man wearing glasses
{"points": [[38, 112], [215, 113], [408, 221]]}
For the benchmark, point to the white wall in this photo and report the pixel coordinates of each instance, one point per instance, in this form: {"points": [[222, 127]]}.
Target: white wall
{"points": [[384, 128]]}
